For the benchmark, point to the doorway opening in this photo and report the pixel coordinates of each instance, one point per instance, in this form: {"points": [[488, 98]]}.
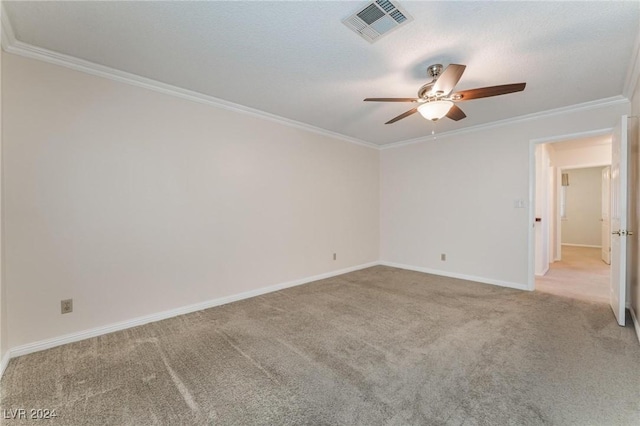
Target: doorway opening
{"points": [[572, 225]]}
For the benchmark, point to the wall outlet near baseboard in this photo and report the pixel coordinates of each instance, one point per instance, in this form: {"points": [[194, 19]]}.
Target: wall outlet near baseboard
{"points": [[66, 306], [443, 257]]}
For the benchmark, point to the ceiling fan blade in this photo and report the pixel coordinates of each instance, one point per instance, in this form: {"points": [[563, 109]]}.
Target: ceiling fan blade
{"points": [[391, 100], [456, 113], [448, 79], [485, 92], [403, 115]]}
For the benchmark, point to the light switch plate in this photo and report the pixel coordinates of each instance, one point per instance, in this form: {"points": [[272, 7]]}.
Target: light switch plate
{"points": [[519, 203]]}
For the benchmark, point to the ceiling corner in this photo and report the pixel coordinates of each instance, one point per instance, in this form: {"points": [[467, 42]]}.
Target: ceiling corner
{"points": [[8, 36]]}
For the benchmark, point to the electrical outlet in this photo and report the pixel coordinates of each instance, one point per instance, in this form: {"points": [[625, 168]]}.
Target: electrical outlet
{"points": [[66, 306], [334, 256], [443, 257]]}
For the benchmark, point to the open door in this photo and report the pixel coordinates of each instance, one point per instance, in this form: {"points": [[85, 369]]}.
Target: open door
{"points": [[606, 217], [619, 163]]}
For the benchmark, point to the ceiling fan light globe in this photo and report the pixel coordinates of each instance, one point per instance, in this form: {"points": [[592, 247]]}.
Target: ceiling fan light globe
{"points": [[435, 110]]}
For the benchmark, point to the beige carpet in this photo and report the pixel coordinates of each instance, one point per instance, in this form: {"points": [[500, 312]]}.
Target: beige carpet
{"points": [[581, 274], [381, 346]]}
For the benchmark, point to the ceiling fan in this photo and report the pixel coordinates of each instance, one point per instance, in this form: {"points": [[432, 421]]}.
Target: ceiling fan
{"points": [[436, 100]]}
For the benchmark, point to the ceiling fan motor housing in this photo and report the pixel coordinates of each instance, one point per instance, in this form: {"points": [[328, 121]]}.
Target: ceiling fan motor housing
{"points": [[434, 72]]}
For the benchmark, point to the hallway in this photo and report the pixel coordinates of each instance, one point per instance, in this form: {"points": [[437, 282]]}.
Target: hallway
{"points": [[581, 274]]}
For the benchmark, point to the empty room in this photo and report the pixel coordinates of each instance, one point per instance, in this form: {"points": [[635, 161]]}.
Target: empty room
{"points": [[318, 212]]}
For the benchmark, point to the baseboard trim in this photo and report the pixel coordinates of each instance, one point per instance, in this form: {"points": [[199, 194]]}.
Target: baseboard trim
{"points": [[543, 272], [636, 323], [4, 362], [580, 245], [483, 280], [123, 325]]}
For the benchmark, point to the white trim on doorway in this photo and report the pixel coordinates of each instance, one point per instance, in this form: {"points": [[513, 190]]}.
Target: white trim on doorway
{"points": [[581, 245], [544, 272], [636, 324]]}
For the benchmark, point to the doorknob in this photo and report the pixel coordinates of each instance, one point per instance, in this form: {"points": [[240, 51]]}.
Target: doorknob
{"points": [[616, 233]]}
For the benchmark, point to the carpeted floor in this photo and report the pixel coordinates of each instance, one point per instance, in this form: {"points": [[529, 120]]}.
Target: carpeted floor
{"points": [[381, 346]]}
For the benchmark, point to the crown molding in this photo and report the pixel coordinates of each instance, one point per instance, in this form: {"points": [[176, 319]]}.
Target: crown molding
{"points": [[633, 71], [11, 45], [600, 103]]}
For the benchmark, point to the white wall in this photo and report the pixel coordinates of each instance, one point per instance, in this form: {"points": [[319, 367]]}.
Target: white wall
{"points": [[4, 341], [634, 139], [582, 224], [456, 195], [132, 202], [587, 156]]}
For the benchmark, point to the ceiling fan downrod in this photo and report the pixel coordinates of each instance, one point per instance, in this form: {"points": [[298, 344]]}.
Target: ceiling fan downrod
{"points": [[425, 93]]}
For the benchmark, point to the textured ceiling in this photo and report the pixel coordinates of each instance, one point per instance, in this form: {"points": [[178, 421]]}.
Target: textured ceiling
{"points": [[297, 60]]}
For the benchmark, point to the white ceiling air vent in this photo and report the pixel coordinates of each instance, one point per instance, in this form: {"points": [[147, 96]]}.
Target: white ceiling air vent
{"points": [[377, 18]]}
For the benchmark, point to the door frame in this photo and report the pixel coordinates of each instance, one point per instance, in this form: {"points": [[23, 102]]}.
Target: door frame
{"points": [[532, 191], [606, 232]]}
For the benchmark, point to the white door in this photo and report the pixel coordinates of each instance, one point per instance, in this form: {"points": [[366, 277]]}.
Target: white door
{"points": [[619, 220], [606, 218]]}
